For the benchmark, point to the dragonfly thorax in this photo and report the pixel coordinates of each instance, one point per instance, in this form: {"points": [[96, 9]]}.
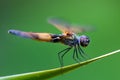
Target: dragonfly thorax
{"points": [[70, 40]]}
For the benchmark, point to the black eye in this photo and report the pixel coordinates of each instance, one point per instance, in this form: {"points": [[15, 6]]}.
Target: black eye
{"points": [[88, 40]]}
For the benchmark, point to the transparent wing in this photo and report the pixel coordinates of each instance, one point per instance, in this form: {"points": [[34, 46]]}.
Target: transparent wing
{"points": [[66, 27], [36, 36]]}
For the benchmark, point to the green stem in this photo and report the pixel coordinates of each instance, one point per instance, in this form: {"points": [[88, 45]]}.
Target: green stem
{"points": [[46, 74]]}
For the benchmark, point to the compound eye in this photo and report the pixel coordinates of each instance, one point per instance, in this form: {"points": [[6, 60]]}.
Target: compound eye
{"points": [[84, 41]]}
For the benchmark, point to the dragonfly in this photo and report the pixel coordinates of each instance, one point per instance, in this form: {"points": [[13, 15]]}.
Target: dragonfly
{"points": [[68, 37]]}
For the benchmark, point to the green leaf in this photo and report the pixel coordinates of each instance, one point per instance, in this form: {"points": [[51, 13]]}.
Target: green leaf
{"points": [[46, 74]]}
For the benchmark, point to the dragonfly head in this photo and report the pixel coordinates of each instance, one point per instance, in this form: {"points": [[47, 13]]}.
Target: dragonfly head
{"points": [[84, 41]]}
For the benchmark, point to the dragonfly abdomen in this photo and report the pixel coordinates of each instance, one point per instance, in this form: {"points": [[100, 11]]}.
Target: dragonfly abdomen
{"points": [[56, 38], [20, 33], [36, 36]]}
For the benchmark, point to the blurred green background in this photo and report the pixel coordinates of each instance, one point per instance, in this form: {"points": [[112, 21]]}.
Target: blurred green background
{"points": [[19, 55]]}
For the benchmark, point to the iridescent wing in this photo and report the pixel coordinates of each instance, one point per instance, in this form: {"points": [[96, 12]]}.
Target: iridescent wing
{"points": [[66, 27], [36, 36]]}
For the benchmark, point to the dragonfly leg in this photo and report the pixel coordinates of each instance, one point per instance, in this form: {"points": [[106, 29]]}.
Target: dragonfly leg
{"points": [[75, 55], [81, 52], [61, 55]]}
